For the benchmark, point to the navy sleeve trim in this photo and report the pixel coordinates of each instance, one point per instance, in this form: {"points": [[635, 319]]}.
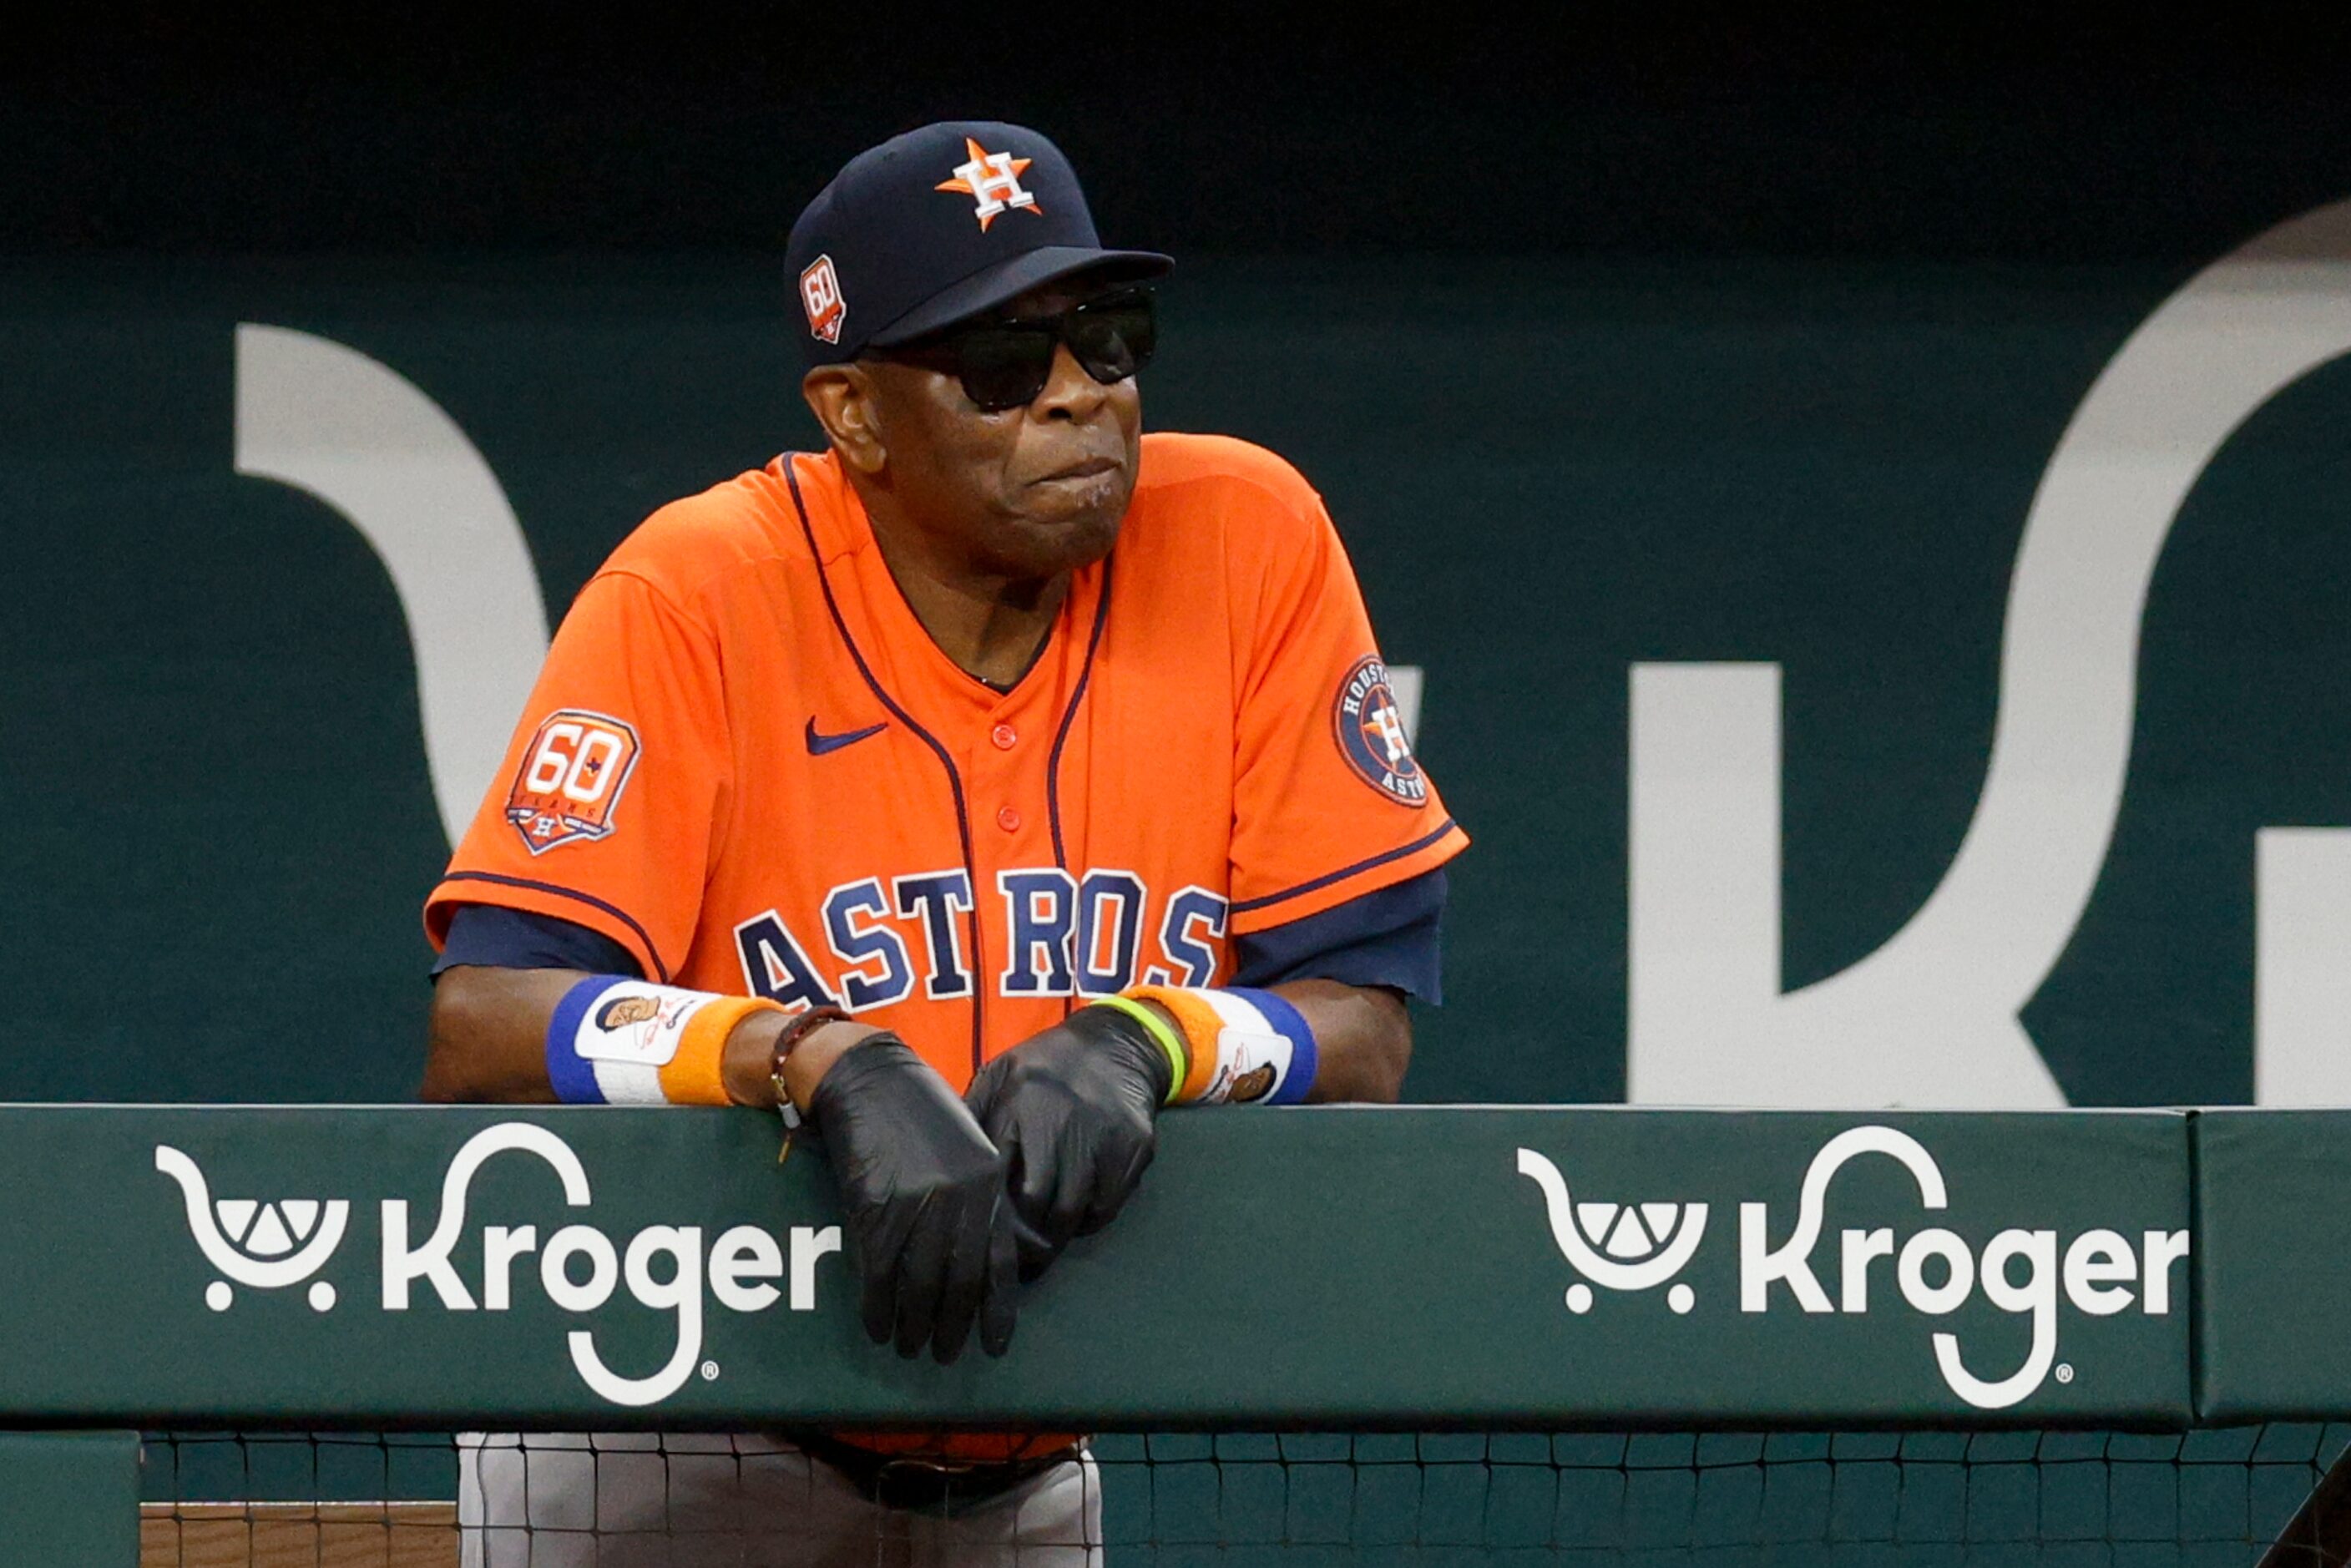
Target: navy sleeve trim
{"points": [[498, 936], [661, 970], [1386, 937], [1344, 872]]}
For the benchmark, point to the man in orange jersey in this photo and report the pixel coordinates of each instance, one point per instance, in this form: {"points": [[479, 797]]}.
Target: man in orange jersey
{"points": [[975, 790]]}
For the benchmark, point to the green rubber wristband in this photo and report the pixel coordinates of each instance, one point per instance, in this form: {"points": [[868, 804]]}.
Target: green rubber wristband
{"points": [[1179, 1055]]}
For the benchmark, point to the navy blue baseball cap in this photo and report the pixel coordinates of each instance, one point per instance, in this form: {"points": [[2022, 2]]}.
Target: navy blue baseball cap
{"points": [[938, 225]]}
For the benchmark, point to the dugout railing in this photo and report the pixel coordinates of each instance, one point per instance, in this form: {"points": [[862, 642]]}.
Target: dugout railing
{"points": [[1488, 1299]]}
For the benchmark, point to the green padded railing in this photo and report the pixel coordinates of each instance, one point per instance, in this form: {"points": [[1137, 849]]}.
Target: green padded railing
{"points": [[1605, 1271], [1353, 1268]]}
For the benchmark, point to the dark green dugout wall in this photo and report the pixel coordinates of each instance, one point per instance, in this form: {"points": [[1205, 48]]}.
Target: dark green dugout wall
{"points": [[215, 823], [1334, 1268], [1329, 1268]]}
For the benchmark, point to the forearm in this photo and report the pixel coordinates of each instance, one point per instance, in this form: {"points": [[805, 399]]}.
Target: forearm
{"points": [[1363, 1039], [487, 1034], [487, 1042]]}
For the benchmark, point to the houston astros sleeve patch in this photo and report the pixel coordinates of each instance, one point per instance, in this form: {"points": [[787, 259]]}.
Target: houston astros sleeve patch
{"points": [[1370, 727]]}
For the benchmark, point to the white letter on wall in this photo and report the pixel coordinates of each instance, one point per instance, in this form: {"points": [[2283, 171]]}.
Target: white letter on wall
{"points": [[1930, 1018], [330, 421]]}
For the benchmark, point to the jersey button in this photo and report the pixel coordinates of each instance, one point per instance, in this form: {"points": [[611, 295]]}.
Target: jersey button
{"points": [[1008, 819], [1005, 737]]}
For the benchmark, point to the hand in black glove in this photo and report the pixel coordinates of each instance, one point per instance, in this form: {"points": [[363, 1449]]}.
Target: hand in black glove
{"points": [[1074, 1110], [920, 1189]]}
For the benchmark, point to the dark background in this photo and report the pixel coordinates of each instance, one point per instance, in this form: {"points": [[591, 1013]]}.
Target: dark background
{"points": [[1608, 337], [1959, 132]]}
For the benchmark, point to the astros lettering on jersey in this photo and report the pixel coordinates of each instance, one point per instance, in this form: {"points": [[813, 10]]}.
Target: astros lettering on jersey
{"points": [[745, 762]]}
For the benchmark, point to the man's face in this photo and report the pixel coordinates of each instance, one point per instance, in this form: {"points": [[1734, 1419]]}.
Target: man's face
{"points": [[1026, 492]]}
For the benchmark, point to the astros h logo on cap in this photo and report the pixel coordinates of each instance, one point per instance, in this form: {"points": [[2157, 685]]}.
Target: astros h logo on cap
{"points": [[993, 181], [888, 253]]}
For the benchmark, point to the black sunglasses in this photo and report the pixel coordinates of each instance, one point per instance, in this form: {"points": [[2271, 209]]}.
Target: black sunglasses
{"points": [[1005, 362]]}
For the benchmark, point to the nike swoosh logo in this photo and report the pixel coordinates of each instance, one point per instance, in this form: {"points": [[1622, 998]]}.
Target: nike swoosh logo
{"points": [[819, 745]]}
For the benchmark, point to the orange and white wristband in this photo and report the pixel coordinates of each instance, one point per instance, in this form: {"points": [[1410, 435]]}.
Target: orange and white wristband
{"points": [[617, 1041], [1239, 1045]]}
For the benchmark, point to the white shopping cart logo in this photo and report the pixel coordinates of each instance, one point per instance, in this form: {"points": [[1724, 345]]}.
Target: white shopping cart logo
{"points": [[267, 1244], [1621, 1246]]}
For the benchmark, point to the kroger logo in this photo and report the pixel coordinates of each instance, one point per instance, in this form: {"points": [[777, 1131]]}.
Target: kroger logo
{"points": [[578, 1267], [1636, 1247], [1623, 1246], [265, 1245]]}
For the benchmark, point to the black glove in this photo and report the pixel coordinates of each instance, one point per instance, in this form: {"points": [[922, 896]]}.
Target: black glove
{"points": [[1074, 1110], [920, 1189]]}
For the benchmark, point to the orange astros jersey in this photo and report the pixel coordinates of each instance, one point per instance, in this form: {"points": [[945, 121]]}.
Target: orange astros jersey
{"points": [[746, 763]]}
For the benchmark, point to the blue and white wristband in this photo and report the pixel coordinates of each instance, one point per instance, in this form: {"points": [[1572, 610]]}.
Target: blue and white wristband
{"points": [[614, 1040]]}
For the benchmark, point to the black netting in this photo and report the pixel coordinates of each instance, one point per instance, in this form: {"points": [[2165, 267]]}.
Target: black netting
{"points": [[1718, 1498]]}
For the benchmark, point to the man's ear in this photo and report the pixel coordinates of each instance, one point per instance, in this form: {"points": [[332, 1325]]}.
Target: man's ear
{"points": [[842, 398]]}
